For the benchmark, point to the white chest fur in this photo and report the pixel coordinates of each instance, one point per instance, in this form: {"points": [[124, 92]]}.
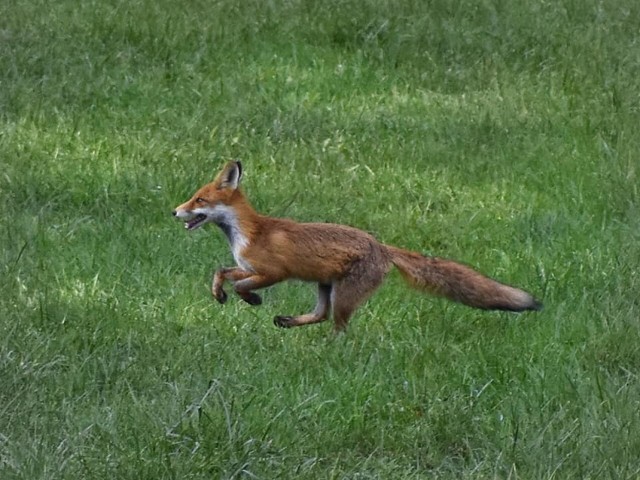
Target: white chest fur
{"points": [[238, 244], [225, 217]]}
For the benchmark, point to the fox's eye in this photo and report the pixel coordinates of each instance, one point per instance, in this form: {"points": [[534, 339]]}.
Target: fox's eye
{"points": [[200, 200]]}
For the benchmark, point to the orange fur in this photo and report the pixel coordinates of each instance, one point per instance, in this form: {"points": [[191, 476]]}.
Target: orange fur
{"points": [[348, 264]]}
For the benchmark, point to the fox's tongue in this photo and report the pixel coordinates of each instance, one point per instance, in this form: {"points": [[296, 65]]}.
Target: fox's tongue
{"points": [[196, 222]]}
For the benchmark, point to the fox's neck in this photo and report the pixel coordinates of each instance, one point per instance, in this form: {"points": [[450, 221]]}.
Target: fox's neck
{"points": [[238, 220]]}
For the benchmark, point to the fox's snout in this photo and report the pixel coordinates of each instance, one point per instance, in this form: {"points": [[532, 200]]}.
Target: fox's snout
{"points": [[192, 219], [181, 212]]}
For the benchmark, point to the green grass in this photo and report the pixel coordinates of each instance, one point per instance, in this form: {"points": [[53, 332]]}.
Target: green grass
{"points": [[502, 134]]}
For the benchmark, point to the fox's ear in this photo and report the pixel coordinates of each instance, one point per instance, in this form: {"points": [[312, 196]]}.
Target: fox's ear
{"points": [[231, 175]]}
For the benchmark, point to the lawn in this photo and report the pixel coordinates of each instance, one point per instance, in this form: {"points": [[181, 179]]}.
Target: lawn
{"points": [[501, 134]]}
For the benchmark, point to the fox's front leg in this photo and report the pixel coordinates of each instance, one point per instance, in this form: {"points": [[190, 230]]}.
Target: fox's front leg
{"points": [[243, 281], [233, 274]]}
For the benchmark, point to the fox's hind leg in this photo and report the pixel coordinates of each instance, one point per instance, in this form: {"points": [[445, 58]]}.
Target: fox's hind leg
{"points": [[319, 314], [356, 287], [346, 296]]}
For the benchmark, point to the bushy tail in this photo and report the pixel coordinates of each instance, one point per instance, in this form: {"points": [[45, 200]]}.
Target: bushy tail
{"points": [[459, 282]]}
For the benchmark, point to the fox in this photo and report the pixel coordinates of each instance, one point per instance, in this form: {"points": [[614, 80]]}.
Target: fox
{"points": [[346, 263]]}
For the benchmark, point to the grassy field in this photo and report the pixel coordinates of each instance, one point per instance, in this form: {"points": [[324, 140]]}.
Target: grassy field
{"points": [[502, 134]]}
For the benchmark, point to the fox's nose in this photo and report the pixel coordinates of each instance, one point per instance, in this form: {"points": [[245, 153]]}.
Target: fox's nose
{"points": [[174, 213]]}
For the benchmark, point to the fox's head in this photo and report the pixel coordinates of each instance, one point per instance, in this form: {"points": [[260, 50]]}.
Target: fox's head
{"points": [[212, 203]]}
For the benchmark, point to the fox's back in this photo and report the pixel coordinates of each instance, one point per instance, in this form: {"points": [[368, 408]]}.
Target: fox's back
{"points": [[310, 251]]}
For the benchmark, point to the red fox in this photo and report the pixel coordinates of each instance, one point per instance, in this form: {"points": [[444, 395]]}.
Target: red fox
{"points": [[346, 263]]}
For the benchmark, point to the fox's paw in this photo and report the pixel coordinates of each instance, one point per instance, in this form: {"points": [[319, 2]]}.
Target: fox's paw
{"points": [[220, 295], [283, 322], [251, 298]]}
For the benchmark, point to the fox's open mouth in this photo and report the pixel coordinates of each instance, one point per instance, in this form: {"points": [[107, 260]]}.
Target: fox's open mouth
{"points": [[198, 221]]}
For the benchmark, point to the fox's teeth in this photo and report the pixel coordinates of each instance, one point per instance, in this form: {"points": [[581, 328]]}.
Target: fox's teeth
{"points": [[195, 222]]}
